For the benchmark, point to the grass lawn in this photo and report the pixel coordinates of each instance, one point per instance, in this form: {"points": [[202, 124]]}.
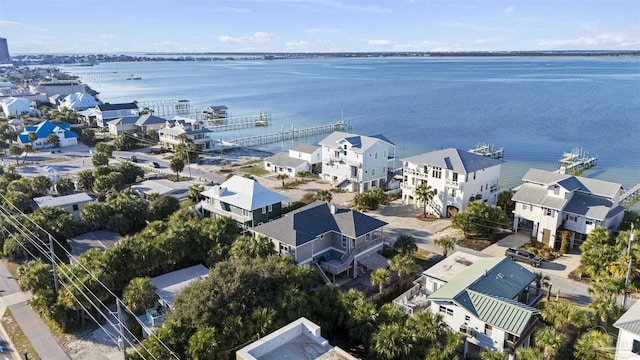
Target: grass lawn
{"points": [[18, 338], [425, 258]]}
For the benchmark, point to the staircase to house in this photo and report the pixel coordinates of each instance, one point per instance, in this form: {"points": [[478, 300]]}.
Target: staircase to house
{"points": [[321, 273]]}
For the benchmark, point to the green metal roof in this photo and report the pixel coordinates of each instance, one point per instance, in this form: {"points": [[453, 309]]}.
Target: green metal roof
{"points": [[509, 315], [487, 289]]}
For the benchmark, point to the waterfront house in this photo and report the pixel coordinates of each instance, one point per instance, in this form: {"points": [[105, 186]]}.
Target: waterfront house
{"points": [[124, 125], [77, 102], [491, 301], [168, 286], [301, 157], [57, 87], [458, 176], [72, 204], [176, 132], [357, 163], [338, 240], [243, 200], [15, 106], [106, 112], [300, 339], [628, 344], [43, 130], [547, 201], [148, 122]]}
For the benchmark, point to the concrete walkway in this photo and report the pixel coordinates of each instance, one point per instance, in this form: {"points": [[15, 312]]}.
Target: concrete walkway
{"points": [[32, 326]]}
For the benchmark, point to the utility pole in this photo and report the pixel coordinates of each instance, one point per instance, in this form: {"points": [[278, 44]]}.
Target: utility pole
{"points": [[53, 263], [123, 346], [632, 238]]}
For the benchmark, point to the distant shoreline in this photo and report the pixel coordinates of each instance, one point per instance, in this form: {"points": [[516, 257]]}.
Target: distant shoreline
{"points": [[94, 59]]}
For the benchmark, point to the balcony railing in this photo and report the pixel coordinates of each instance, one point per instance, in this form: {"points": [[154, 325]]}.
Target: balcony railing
{"points": [[338, 266], [453, 184], [217, 210]]}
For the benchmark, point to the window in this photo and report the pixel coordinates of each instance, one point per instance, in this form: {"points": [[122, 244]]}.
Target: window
{"points": [[548, 212], [337, 154], [636, 347], [345, 241], [480, 187], [367, 237], [345, 146], [270, 208], [556, 190], [446, 310], [588, 222], [488, 329], [467, 318], [264, 210], [453, 192], [524, 206], [375, 156], [436, 172], [454, 177], [75, 207], [373, 172]]}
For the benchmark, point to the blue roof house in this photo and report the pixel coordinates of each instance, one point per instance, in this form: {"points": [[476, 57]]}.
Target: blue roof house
{"points": [[43, 130]]}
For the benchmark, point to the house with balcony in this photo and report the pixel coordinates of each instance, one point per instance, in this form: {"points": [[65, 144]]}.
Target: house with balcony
{"points": [[168, 286], [243, 200], [490, 300], [301, 157], [181, 130], [106, 112], [628, 344], [338, 241], [549, 201], [458, 176], [357, 163], [147, 122]]}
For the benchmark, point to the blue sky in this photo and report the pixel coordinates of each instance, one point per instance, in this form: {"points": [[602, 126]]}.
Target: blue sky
{"points": [[119, 26]]}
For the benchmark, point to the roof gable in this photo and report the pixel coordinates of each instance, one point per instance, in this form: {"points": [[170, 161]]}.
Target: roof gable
{"points": [[359, 142], [459, 161], [630, 320], [579, 183], [509, 315], [244, 193]]}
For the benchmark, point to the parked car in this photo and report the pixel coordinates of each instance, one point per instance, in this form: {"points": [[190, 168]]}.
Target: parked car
{"points": [[155, 165], [134, 159], [523, 256]]}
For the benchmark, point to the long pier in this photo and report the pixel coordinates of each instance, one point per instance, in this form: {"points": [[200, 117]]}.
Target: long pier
{"points": [[239, 122], [291, 134], [630, 195], [575, 161]]}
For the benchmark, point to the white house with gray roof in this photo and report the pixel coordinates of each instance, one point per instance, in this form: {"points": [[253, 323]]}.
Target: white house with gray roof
{"points": [[72, 204], [176, 131], [357, 163], [548, 200], [243, 200], [490, 301], [301, 157], [337, 239], [628, 345], [458, 176]]}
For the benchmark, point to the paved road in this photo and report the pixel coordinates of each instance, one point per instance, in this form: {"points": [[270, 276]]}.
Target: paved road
{"points": [[34, 329]]}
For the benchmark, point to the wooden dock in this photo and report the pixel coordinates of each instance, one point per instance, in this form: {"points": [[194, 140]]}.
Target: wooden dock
{"points": [[240, 122], [488, 151], [630, 195], [290, 134], [575, 161]]}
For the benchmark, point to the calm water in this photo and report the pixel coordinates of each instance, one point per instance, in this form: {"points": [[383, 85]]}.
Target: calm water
{"points": [[536, 108]]}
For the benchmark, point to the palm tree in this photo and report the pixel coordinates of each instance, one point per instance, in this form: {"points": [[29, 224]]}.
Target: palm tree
{"points": [[177, 165], [426, 325], [33, 136], [323, 195], [425, 193], [403, 264], [540, 280], [446, 243], [593, 345], [493, 355], [53, 139], [393, 341], [380, 277], [195, 192], [549, 341], [528, 354], [605, 308], [406, 244], [282, 177], [27, 148]]}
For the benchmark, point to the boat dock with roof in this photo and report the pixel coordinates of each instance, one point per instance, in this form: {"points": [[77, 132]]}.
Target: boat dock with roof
{"points": [[488, 151], [575, 161]]}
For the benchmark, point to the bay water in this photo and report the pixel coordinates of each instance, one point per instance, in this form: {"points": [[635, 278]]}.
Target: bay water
{"points": [[536, 108]]}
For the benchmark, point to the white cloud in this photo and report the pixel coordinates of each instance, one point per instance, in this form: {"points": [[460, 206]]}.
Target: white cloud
{"points": [[256, 38], [109, 36], [229, 9], [379, 42], [510, 9], [19, 25], [321, 31], [297, 44], [488, 41], [605, 41]]}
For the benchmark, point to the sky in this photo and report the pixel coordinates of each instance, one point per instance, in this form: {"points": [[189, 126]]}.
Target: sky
{"points": [[132, 26]]}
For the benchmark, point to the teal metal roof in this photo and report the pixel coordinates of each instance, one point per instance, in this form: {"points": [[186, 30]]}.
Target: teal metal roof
{"points": [[487, 289], [509, 315]]}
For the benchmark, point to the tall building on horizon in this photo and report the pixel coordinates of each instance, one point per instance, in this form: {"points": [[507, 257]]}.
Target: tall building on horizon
{"points": [[4, 51]]}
